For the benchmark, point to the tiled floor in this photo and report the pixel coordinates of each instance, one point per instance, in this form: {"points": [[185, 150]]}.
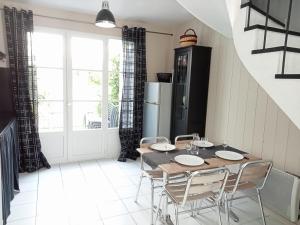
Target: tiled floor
{"points": [[100, 193]]}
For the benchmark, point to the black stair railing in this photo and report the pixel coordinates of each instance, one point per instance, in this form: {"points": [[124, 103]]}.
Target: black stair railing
{"points": [[286, 37], [249, 13], [266, 24], [266, 29]]}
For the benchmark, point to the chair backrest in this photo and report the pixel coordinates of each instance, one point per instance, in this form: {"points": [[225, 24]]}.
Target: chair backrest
{"points": [[184, 139], [147, 141], [251, 175], [205, 182]]}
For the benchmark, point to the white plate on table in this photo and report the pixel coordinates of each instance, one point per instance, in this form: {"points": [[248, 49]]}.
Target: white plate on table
{"points": [[202, 144], [163, 147], [229, 155], [189, 160]]}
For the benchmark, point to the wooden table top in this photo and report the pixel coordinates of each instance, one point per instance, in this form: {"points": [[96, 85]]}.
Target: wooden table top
{"points": [[173, 168]]}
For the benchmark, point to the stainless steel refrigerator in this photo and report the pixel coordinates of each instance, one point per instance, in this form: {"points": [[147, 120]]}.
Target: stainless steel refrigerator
{"points": [[157, 109]]}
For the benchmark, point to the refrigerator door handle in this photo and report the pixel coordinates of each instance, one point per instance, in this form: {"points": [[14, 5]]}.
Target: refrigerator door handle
{"points": [[153, 103]]}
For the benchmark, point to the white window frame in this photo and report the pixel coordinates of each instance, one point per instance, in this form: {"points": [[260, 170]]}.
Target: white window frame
{"points": [[67, 76]]}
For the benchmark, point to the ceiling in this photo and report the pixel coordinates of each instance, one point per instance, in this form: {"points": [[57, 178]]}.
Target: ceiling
{"points": [[165, 12], [213, 13]]}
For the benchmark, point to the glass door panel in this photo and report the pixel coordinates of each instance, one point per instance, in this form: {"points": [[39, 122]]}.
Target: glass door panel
{"points": [[87, 69], [50, 80], [115, 63]]}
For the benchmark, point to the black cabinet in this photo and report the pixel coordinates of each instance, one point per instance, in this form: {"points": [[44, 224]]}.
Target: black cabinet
{"points": [[190, 90]]}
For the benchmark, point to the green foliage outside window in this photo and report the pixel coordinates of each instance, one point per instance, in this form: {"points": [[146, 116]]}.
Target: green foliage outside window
{"points": [[114, 80]]}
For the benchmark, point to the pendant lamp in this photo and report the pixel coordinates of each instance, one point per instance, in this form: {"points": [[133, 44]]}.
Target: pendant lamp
{"points": [[104, 17]]}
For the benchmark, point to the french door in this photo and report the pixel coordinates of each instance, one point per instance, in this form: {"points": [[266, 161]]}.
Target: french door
{"points": [[79, 81]]}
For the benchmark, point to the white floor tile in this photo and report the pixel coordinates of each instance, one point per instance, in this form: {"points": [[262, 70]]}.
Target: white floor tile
{"points": [[119, 220], [22, 212], [24, 198], [28, 186], [85, 221], [142, 204], [28, 177], [51, 208], [112, 208], [29, 221], [135, 179], [119, 180], [141, 217], [51, 220], [104, 194], [126, 191], [50, 194]]}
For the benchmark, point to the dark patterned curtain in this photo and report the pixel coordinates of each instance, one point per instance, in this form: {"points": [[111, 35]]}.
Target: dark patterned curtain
{"points": [[134, 77], [19, 27]]}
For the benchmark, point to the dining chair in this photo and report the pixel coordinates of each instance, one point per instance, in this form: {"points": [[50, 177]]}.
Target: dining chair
{"points": [[200, 186], [154, 174], [251, 176], [182, 140]]}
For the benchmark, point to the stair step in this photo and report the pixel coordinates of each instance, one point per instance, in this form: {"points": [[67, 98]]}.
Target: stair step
{"points": [[275, 49], [249, 4], [273, 29], [287, 76]]}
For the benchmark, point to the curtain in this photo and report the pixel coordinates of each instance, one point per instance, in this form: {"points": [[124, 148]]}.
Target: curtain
{"points": [[19, 28], [134, 77]]}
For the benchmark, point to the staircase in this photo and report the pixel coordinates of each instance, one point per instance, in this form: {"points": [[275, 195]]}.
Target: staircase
{"points": [[266, 45]]}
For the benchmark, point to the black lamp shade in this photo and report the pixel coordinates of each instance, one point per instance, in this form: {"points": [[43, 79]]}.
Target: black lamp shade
{"points": [[105, 18]]}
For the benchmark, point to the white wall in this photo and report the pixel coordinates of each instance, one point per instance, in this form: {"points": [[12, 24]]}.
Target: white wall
{"points": [[239, 110]]}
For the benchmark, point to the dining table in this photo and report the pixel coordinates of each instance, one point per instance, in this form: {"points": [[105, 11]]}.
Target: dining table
{"points": [[165, 161]]}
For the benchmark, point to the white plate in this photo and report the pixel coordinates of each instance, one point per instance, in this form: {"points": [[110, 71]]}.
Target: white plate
{"points": [[202, 144], [229, 155], [163, 147], [189, 160]]}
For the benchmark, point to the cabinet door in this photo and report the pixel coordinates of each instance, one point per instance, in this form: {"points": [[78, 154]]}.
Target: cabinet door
{"points": [[180, 94]]}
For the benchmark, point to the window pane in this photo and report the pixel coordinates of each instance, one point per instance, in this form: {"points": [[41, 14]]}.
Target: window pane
{"points": [[115, 53], [87, 85], [114, 96], [87, 54], [50, 116], [87, 115], [48, 50], [114, 81], [50, 84]]}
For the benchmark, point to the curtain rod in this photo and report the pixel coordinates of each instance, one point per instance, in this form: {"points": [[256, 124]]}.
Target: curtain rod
{"points": [[85, 22]]}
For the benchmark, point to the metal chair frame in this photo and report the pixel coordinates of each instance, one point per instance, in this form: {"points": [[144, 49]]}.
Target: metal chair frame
{"points": [[184, 137], [147, 173], [238, 182], [203, 182]]}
